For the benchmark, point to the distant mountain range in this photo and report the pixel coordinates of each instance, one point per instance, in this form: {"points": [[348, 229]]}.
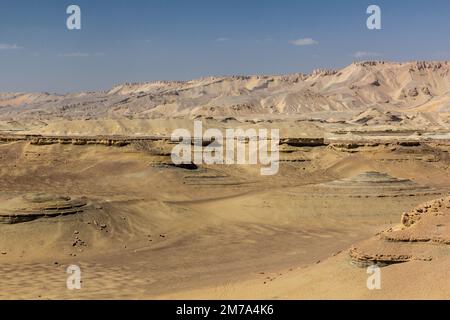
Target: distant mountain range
{"points": [[411, 87]]}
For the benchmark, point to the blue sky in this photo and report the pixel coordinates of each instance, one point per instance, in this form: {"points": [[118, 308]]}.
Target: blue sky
{"points": [[145, 40]]}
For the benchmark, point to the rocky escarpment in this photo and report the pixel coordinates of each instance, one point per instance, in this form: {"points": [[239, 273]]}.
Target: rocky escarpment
{"points": [[376, 184], [32, 206], [423, 235], [115, 141], [338, 141]]}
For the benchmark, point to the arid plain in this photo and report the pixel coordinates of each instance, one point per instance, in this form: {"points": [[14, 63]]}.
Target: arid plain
{"points": [[87, 179]]}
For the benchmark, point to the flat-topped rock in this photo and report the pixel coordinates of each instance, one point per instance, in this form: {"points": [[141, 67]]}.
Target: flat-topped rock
{"points": [[32, 206], [377, 184], [370, 179]]}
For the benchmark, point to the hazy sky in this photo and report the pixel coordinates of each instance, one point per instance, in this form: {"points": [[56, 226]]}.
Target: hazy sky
{"points": [[144, 40]]}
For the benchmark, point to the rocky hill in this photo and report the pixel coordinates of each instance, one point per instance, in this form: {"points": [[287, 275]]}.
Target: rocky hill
{"points": [[413, 87]]}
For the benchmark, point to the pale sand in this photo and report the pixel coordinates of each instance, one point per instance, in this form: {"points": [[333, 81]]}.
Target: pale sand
{"points": [[152, 231]]}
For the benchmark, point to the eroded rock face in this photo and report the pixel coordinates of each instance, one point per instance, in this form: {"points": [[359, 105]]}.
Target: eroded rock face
{"points": [[429, 222], [424, 235], [371, 178], [377, 184], [432, 207], [32, 206]]}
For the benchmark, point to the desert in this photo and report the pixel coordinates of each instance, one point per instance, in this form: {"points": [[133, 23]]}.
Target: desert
{"points": [[87, 179]]}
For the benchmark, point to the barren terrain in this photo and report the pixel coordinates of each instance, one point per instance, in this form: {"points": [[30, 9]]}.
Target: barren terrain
{"points": [[87, 179]]}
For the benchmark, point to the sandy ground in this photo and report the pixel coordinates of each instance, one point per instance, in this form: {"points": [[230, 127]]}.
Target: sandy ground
{"points": [[152, 231], [360, 147]]}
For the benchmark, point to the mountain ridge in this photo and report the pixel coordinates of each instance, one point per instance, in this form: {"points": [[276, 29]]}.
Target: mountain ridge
{"points": [[418, 86]]}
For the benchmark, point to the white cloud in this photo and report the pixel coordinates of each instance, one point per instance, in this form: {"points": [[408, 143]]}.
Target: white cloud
{"points": [[8, 46], [304, 42], [222, 39], [365, 54]]}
